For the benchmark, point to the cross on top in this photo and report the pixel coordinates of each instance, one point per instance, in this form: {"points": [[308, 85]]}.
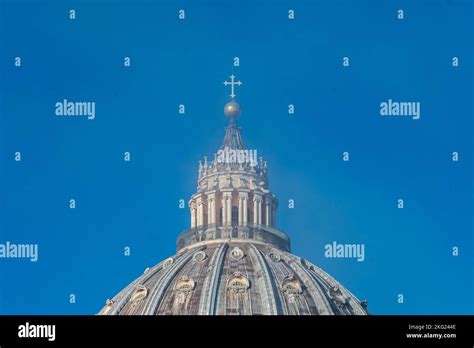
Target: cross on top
{"points": [[232, 83]]}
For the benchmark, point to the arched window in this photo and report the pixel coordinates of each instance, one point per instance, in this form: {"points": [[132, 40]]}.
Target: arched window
{"points": [[235, 215]]}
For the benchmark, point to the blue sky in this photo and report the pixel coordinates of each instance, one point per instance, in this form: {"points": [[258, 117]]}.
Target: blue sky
{"points": [[176, 62]]}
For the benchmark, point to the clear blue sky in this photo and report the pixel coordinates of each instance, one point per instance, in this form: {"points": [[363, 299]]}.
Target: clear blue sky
{"points": [[337, 109]]}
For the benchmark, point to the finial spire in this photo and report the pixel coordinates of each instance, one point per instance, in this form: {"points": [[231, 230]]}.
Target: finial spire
{"points": [[232, 139]]}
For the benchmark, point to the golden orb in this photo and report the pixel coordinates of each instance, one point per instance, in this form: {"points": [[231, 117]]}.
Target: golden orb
{"points": [[232, 110]]}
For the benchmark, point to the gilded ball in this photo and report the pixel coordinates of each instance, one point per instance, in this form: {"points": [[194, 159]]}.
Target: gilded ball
{"points": [[232, 109]]}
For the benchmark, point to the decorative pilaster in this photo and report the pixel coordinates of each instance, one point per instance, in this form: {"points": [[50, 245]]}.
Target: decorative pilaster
{"points": [[241, 208], [211, 208], [257, 208], [224, 209], [243, 198], [268, 204], [227, 208], [200, 211], [245, 208], [192, 206]]}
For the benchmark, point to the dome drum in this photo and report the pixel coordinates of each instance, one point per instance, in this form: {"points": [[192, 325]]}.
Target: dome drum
{"points": [[216, 233]]}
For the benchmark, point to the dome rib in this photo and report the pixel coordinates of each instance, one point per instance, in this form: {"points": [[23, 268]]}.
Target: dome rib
{"points": [[208, 298], [268, 289], [315, 292], [159, 289]]}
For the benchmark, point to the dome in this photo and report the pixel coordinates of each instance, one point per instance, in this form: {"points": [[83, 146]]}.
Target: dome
{"points": [[234, 277], [233, 260]]}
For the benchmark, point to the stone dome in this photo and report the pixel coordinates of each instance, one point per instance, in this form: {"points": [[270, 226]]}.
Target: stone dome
{"points": [[233, 259], [234, 277]]}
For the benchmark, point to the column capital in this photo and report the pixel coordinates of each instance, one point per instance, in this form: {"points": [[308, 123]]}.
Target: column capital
{"points": [[196, 196], [269, 198], [243, 194], [257, 196], [211, 195], [227, 194]]}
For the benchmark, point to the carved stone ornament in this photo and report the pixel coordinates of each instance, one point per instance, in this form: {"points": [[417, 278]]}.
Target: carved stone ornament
{"points": [[168, 262], [236, 181], [108, 306], [337, 296], [236, 254], [274, 256], [199, 256], [139, 294], [185, 284], [212, 183], [291, 287], [238, 283], [183, 287], [306, 264]]}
